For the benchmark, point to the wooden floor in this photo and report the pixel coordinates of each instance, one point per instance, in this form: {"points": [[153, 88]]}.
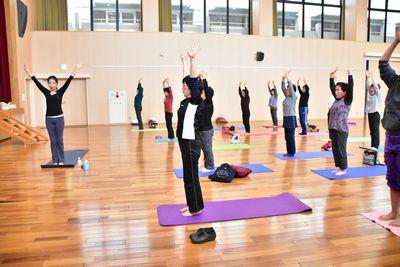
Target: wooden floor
{"points": [[108, 216]]}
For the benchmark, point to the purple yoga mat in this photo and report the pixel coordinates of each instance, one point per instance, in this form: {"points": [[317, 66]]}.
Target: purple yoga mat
{"points": [[229, 210]]}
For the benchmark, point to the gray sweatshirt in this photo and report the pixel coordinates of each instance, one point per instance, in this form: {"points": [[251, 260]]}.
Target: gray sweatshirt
{"points": [[391, 114], [289, 104]]}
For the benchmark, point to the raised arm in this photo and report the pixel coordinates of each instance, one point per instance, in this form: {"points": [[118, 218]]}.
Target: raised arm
{"points": [[35, 80], [368, 83], [375, 84], [389, 51], [27, 71], [139, 86], [166, 83], [291, 88], [77, 67], [332, 81], [299, 86], [348, 99], [388, 75], [67, 83], [194, 79], [184, 68], [283, 84]]}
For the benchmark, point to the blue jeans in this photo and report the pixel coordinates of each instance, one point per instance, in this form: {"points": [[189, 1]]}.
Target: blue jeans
{"points": [[303, 112], [206, 138], [55, 127]]}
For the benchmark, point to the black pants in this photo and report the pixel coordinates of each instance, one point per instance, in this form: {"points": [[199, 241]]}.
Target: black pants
{"points": [[246, 120], [339, 143], [138, 111], [374, 120], [274, 116], [290, 141], [168, 121], [190, 150]]}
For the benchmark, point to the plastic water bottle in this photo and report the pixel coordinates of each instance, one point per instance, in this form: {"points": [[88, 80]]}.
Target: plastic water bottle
{"points": [[86, 166], [79, 163]]}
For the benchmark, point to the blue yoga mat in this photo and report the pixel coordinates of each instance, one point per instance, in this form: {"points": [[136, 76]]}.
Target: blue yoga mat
{"points": [[354, 172], [236, 128], [165, 140], [354, 139], [70, 159], [255, 168], [307, 155]]}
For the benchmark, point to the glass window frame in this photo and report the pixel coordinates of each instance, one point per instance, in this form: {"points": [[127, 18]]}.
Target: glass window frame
{"points": [[205, 17], [386, 10], [118, 20], [303, 4]]}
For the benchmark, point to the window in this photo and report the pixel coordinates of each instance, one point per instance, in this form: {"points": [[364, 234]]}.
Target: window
{"points": [[217, 16], [383, 18], [310, 18], [104, 15], [79, 15]]}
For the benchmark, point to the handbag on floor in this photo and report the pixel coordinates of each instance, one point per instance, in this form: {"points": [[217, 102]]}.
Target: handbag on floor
{"points": [[370, 157], [223, 174]]}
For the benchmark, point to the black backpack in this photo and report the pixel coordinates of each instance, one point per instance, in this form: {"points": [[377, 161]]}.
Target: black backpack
{"points": [[223, 174]]}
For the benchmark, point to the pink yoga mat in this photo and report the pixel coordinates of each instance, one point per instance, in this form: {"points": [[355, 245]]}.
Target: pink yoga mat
{"points": [[260, 133], [314, 134], [373, 216], [270, 126], [229, 210]]}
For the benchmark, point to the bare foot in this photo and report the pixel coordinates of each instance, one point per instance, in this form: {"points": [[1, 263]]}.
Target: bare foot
{"points": [[188, 214], [340, 172], [396, 222], [185, 209], [387, 217]]}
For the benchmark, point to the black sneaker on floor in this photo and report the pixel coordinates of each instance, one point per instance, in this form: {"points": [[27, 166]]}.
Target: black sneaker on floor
{"points": [[203, 235]]}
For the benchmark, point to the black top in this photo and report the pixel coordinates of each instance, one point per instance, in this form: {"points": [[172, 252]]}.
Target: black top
{"points": [[348, 99], [391, 115], [304, 96], [53, 102], [208, 108], [244, 100], [194, 85]]}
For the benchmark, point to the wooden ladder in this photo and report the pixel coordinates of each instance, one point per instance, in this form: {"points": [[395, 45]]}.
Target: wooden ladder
{"points": [[19, 130]]}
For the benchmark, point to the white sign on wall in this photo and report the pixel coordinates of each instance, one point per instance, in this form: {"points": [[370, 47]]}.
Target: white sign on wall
{"points": [[117, 108]]}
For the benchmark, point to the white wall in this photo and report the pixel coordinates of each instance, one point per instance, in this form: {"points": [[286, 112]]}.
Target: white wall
{"points": [[118, 60]]}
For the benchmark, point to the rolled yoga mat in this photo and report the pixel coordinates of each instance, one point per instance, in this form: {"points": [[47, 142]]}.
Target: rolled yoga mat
{"points": [[255, 168], [232, 147], [229, 210], [354, 172], [165, 140], [308, 155], [374, 217], [70, 159]]}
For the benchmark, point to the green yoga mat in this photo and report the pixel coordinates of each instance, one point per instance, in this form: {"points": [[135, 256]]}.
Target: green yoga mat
{"points": [[232, 147], [354, 139], [150, 130]]}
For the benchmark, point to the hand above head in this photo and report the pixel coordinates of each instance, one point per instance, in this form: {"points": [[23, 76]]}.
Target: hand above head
{"points": [[304, 81], [27, 70], [192, 53], [332, 74], [348, 72]]}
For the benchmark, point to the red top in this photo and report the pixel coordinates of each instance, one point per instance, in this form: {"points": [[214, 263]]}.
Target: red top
{"points": [[168, 101]]}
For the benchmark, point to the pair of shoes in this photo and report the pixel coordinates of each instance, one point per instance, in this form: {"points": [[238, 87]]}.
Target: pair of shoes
{"points": [[203, 235], [288, 155], [302, 133]]}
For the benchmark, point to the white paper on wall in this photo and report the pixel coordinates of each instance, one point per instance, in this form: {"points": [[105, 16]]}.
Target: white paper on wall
{"points": [[117, 108]]}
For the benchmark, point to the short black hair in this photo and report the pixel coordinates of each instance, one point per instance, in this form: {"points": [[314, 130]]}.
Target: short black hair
{"points": [[52, 77], [187, 79], [344, 86]]}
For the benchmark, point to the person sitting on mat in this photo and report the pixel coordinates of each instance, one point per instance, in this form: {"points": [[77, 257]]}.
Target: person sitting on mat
{"points": [[391, 124], [206, 126], [189, 116], [244, 103], [338, 120], [54, 113], [273, 102], [138, 104], [372, 108], [168, 101], [289, 115], [303, 105]]}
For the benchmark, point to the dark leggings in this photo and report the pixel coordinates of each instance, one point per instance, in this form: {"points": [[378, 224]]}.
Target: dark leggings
{"points": [[290, 141], [374, 120], [246, 120], [168, 121], [138, 111], [274, 116], [339, 142], [190, 150]]}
